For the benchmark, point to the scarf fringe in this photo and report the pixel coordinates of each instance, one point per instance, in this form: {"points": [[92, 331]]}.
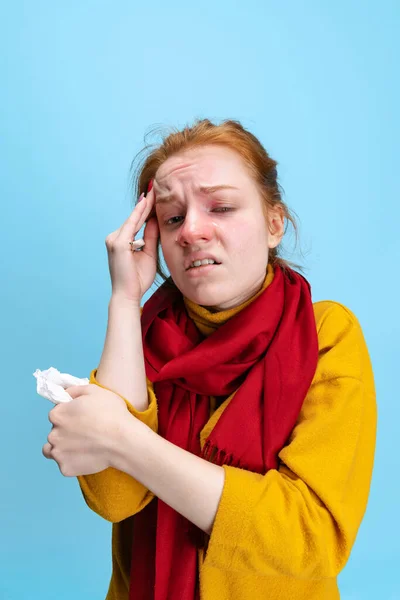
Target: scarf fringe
{"points": [[218, 456]]}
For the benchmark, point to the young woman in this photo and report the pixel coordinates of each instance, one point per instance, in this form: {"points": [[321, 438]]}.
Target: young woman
{"points": [[229, 430]]}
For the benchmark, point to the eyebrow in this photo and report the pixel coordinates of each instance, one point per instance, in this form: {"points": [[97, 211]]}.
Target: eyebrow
{"points": [[210, 189]]}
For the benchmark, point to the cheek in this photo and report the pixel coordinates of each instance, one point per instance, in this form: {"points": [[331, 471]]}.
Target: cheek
{"points": [[166, 244], [245, 237]]}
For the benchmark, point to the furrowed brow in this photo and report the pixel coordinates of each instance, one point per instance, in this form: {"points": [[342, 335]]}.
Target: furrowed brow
{"points": [[210, 189]]}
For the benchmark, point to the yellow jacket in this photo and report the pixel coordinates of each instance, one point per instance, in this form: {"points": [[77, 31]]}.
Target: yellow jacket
{"points": [[287, 534]]}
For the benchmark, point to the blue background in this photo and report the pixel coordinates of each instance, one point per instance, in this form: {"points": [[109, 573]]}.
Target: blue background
{"points": [[81, 83]]}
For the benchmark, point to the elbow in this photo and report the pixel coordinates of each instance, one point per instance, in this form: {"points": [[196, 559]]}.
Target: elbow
{"points": [[106, 512], [323, 551], [322, 536], [319, 547], [114, 512], [313, 559]]}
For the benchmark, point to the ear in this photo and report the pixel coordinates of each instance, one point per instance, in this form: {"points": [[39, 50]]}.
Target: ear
{"points": [[276, 226]]}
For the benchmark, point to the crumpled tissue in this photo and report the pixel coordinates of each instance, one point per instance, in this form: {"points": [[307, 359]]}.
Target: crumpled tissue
{"points": [[51, 384]]}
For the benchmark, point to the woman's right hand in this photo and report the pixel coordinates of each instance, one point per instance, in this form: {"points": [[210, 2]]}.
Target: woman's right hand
{"points": [[133, 272]]}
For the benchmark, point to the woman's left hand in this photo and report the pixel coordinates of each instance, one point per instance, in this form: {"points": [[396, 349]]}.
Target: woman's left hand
{"points": [[85, 431]]}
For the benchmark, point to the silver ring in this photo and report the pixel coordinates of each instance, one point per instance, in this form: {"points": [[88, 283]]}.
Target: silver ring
{"points": [[136, 244]]}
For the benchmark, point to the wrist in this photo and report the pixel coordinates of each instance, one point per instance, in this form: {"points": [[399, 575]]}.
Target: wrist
{"points": [[119, 300], [129, 444]]}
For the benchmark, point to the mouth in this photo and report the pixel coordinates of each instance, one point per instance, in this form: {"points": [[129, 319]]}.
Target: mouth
{"points": [[211, 265], [201, 270]]}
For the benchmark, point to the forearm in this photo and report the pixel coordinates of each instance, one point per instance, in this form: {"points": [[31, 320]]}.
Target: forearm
{"points": [[190, 485], [121, 367]]}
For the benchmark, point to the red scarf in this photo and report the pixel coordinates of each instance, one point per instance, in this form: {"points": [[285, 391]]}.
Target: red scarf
{"points": [[267, 352]]}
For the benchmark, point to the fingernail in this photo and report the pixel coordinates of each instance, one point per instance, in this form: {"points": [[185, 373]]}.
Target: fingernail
{"points": [[141, 197], [150, 186]]}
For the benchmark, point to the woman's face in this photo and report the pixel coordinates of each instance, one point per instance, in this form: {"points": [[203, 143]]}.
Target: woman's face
{"points": [[227, 223]]}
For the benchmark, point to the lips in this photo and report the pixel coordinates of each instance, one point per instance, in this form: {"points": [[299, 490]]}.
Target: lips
{"points": [[200, 271], [199, 266], [200, 256]]}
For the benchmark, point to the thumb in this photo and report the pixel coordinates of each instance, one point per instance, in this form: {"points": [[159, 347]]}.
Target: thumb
{"points": [[77, 390]]}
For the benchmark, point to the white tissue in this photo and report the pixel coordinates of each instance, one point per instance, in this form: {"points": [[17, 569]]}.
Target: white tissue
{"points": [[51, 384]]}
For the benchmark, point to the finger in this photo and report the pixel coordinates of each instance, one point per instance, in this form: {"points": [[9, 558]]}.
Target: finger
{"points": [[78, 390], [52, 415], [144, 209], [137, 218], [151, 236], [134, 222], [46, 450], [149, 201], [151, 231], [112, 236], [131, 223], [152, 208]]}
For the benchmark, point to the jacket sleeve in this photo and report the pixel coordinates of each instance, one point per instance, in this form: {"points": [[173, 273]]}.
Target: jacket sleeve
{"points": [[301, 520], [113, 494]]}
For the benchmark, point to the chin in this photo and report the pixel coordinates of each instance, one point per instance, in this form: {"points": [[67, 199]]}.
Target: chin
{"points": [[207, 299], [204, 294]]}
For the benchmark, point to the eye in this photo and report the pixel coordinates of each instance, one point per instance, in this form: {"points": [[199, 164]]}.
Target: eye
{"points": [[222, 208]]}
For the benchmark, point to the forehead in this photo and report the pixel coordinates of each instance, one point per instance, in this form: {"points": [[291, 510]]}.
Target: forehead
{"points": [[206, 161]]}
